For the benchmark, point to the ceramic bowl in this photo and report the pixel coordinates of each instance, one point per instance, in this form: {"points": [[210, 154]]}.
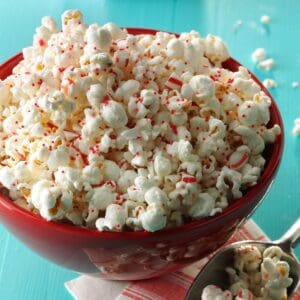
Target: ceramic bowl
{"points": [[138, 255]]}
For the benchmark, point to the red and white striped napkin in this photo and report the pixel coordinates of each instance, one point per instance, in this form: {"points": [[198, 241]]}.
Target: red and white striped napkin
{"points": [[168, 287]]}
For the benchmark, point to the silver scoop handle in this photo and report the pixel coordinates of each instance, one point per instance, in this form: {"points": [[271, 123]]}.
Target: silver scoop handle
{"points": [[292, 237]]}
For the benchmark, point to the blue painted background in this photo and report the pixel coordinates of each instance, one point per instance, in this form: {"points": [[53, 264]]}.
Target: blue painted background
{"points": [[24, 275]]}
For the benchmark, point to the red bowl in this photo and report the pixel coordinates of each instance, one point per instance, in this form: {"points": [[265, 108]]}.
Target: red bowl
{"points": [[138, 255]]}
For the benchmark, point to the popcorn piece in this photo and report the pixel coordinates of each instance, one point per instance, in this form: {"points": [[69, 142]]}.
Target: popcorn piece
{"points": [[295, 84], [114, 114], [71, 18], [203, 87], [4, 94], [266, 64], [265, 19], [50, 200], [175, 48], [229, 181], [270, 83], [95, 95], [114, 220], [212, 292], [97, 39], [258, 55], [156, 195], [296, 129], [162, 166], [203, 206], [102, 197], [154, 218], [215, 49]]}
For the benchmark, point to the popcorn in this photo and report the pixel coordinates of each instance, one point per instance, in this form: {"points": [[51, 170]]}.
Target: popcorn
{"points": [[51, 200], [113, 131], [265, 19], [4, 94], [258, 55], [229, 181], [215, 49], [97, 39], [203, 206], [114, 114], [270, 83], [296, 129], [101, 197], [212, 292], [95, 95], [114, 220], [175, 48], [153, 218], [256, 273], [203, 87], [162, 166], [266, 64]]}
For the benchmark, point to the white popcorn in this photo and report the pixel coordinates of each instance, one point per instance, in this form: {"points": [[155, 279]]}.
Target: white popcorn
{"points": [[265, 19], [266, 64], [156, 196], [153, 218], [114, 114], [212, 292], [296, 129], [175, 48], [215, 49], [111, 170], [71, 18], [126, 180], [44, 196], [5, 95], [269, 83], [162, 166], [7, 177], [258, 55], [97, 39], [203, 206], [95, 95], [114, 220], [92, 174], [103, 128], [127, 89], [68, 178], [229, 181], [203, 87], [102, 197], [115, 31], [58, 158], [254, 141]]}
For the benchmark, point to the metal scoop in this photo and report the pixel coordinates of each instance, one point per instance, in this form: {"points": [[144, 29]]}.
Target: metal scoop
{"points": [[214, 271]]}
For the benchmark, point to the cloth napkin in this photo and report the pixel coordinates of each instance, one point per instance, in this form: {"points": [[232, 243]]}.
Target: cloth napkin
{"points": [[168, 287]]}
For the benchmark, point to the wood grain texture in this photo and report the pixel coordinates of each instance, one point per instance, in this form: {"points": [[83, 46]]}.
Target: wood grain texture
{"points": [[26, 276]]}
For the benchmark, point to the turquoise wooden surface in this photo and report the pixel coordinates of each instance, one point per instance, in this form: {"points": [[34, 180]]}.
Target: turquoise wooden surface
{"points": [[23, 274]]}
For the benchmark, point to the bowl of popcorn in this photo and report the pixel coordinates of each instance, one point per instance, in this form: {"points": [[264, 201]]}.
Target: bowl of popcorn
{"points": [[130, 153]]}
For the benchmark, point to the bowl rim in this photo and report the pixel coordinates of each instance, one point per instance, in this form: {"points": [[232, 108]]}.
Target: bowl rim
{"points": [[268, 172]]}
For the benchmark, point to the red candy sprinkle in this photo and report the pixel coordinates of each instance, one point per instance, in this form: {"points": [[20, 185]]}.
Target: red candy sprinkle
{"points": [[189, 179], [41, 42]]}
